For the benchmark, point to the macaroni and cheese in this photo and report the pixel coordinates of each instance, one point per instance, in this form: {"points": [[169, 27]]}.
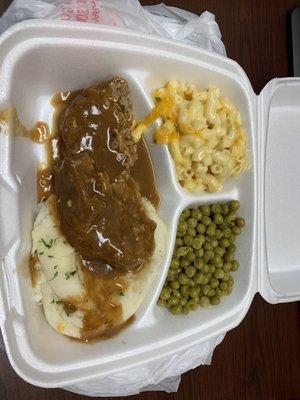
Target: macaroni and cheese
{"points": [[203, 132]]}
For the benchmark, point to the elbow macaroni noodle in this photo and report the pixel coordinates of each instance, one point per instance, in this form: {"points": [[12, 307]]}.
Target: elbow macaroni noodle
{"points": [[204, 134]]}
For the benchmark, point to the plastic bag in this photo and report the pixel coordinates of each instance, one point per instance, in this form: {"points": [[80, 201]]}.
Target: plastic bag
{"points": [[159, 20], [164, 21]]}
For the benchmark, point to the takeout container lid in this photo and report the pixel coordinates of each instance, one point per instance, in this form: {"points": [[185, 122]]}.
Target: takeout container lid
{"points": [[39, 58]]}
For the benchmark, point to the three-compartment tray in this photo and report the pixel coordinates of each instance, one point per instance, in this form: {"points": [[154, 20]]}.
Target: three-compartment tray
{"points": [[40, 58]]}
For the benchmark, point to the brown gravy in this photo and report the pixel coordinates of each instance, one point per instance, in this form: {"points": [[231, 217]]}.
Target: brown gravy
{"points": [[102, 320]]}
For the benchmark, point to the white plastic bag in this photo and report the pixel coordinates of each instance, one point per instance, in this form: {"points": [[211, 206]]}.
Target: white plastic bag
{"points": [[164, 21], [160, 20]]}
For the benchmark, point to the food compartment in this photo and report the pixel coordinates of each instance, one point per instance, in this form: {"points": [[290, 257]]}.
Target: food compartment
{"points": [[37, 70]]}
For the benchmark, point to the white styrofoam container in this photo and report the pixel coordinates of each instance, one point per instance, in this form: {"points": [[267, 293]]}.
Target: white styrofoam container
{"points": [[40, 58]]}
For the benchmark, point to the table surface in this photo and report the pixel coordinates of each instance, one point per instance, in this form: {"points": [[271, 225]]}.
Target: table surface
{"points": [[260, 359]]}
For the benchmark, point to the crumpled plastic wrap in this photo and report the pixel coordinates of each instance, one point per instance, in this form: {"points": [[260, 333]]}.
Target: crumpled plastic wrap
{"points": [[171, 22]]}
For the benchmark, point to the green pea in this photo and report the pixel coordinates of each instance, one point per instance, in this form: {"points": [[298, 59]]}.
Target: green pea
{"points": [[183, 302], [188, 240], [182, 226], [199, 278], [178, 242], [219, 251], [191, 283], [236, 230], [218, 234], [184, 289], [194, 292], [204, 301], [176, 293], [227, 219], [229, 256], [227, 267], [240, 222], [234, 205], [211, 292], [182, 218], [230, 281], [219, 274], [184, 263], [215, 208], [217, 261], [192, 305], [226, 276], [165, 293], [214, 242], [212, 268], [205, 269], [183, 279], [215, 300], [210, 230], [206, 279], [218, 219], [161, 302], [196, 213], [232, 248], [182, 251], [186, 213], [205, 210], [231, 238], [192, 223], [213, 282], [180, 234], [199, 253], [218, 292], [227, 292], [223, 285], [207, 246], [174, 264], [224, 242], [175, 285], [173, 301], [235, 265], [206, 221], [199, 263], [185, 309], [205, 290], [172, 275], [190, 271], [226, 232], [176, 309], [225, 209], [208, 255], [191, 256], [200, 228], [191, 232], [197, 243]]}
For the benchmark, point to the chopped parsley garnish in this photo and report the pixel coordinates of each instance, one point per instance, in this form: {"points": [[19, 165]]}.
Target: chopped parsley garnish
{"points": [[122, 294], [69, 274], [55, 266], [49, 256], [48, 245], [158, 99], [55, 301], [41, 253], [54, 276]]}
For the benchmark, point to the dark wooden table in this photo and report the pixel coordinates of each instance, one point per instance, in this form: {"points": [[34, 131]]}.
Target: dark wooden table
{"points": [[259, 360]]}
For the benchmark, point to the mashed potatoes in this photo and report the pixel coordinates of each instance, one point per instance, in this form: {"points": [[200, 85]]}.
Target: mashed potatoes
{"points": [[60, 282]]}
